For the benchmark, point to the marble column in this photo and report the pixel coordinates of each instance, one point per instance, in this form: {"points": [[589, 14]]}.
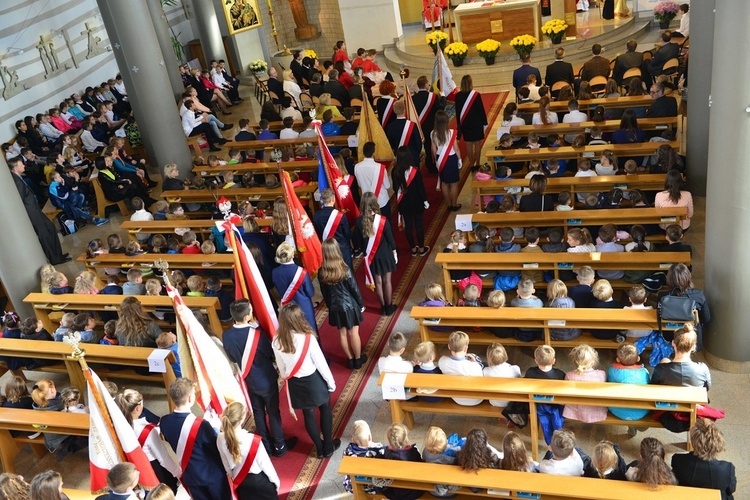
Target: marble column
{"points": [[22, 255], [727, 272], [138, 55], [206, 21], [159, 20]]}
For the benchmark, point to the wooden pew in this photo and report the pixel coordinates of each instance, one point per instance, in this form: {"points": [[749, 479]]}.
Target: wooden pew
{"points": [[239, 194], [564, 152], [261, 168], [533, 391], [336, 140], [494, 483], [585, 127], [199, 226], [542, 318], [176, 261], [607, 102], [626, 261], [46, 303], [299, 125], [96, 354], [13, 419], [644, 182]]}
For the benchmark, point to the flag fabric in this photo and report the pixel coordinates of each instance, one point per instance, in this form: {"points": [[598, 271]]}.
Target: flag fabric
{"points": [[330, 176], [246, 272], [103, 444], [442, 79], [217, 385], [411, 113], [370, 130], [308, 245]]}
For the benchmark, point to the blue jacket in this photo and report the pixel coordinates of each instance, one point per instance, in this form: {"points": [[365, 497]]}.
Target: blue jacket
{"points": [[262, 379], [635, 374], [225, 300], [282, 277]]}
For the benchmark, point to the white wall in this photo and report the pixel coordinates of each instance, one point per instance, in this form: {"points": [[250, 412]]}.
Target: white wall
{"points": [[179, 18], [370, 24]]}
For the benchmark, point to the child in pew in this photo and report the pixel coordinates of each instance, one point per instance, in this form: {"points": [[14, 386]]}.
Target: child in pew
{"points": [[45, 273], [471, 297], [140, 214], [563, 457], [158, 243], [71, 397], [394, 363], [477, 453], [58, 284], [607, 164], [651, 468], [178, 281], [532, 246], [11, 322], [606, 462], [110, 338], [434, 296], [134, 285], [498, 366], [113, 286], [437, 451], [596, 137], [534, 168], [532, 141], [584, 170], [362, 445], [46, 398], [460, 362], [557, 296], [168, 340], [133, 248], [400, 448], [192, 245], [564, 201], [673, 235], [484, 174], [579, 241], [507, 280], [196, 286], [114, 245], [549, 415], [603, 292], [423, 360], [608, 236], [585, 359], [66, 324], [555, 168], [214, 289], [526, 298], [84, 324], [496, 300], [514, 455], [85, 284], [627, 369], [173, 246], [582, 293], [637, 297], [33, 329], [556, 245], [483, 244], [160, 210]]}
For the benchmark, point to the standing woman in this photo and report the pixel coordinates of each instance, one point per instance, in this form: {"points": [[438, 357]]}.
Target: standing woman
{"points": [[447, 159], [471, 119], [345, 305], [675, 195], [411, 199], [293, 283], [373, 234], [309, 380], [238, 446]]}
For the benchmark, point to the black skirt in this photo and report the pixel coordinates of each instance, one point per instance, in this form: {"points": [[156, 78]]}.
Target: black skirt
{"points": [[258, 487], [347, 317], [308, 392], [449, 174]]}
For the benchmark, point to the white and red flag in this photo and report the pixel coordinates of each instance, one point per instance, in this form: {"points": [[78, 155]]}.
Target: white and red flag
{"points": [[329, 175], [305, 238]]}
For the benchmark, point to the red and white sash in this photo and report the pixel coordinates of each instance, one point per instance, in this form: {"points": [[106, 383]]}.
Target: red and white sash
{"points": [[442, 158], [378, 225], [294, 286], [186, 441], [244, 470], [143, 436], [246, 363], [468, 104], [388, 110], [410, 175], [431, 100], [332, 225], [379, 182], [295, 369], [406, 133]]}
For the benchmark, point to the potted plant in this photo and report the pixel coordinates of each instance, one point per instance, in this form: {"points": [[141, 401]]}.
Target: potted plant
{"points": [[664, 12], [488, 49], [523, 44], [456, 52], [437, 39], [554, 29], [258, 67]]}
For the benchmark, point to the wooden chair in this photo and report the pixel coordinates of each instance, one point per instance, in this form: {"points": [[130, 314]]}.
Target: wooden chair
{"points": [[315, 100], [274, 97], [670, 69], [629, 75], [102, 202], [558, 86], [305, 82], [336, 102], [306, 101], [291, 98], [598, 84], [356, 104]]}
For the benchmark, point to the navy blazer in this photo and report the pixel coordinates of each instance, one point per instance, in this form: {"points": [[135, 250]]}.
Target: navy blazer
{"points": [[282, 277], [394, 131], [262, 379], [343, 234]]}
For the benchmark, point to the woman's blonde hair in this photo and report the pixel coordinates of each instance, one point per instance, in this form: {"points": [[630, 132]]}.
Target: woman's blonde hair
{"points": [[556, 289], [284, 253], [44, 275], [291, 320], [361, 434], [584, 357], [280, 224], [496, 299], [333, 269], [169, 168], [40, 389], [435, 441], [604, 458], [128, 400], [13, 487], [434, 291], [397, 436], [86, 283], [233, 416], [287, 75], [707, 439]]}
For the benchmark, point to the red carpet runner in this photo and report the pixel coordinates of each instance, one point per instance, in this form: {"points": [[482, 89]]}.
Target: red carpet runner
{"points": [[298, 470]]}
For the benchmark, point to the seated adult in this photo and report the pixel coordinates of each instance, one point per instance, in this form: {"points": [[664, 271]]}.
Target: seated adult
{"points": [[116, 188], [223, 102], [628, 132], [663, 105], [537, 201], [559, 71], [218, 79], [596, 66], [290, 110], [675, 194], [134, 326], [274, 85], [681, 370], [336, 89], [198, 107], [700, 468], [298, 70], [316, 85], [268, 112], [324, 104], [355, 91], [194, 124], [669, 50], [626, 61], [291, 86], [521, 74], [343, 77]]}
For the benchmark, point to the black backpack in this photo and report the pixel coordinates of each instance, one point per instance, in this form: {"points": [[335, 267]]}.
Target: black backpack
{"points": [[678, 308]]}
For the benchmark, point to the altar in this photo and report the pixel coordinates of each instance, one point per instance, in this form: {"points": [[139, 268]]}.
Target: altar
{"points": [[499, 19]]}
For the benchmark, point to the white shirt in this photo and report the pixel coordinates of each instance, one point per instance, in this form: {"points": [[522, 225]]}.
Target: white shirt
{"points": [[218, 79], [367, 172], [534, 92], [293, 89], [294, 113], [49, 131], [189, 122], [154, 447], [514, 120], [89, 143], [637, 333], [394, 364], [602, 170], [451, 366], [183, 110], [262, 462], [685, 25], [588, 173], [575, 116], [288, 133], [120, 87], [313, 361], [503, 370], [571, 466], [537, 118], [142, 215]]}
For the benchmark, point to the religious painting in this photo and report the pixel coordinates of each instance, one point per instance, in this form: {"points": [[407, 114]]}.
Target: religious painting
{"points": [[241, 15]]}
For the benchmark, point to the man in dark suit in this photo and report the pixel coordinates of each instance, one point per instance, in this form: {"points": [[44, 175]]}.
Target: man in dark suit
{"points": [[663, 105], [426, 104], [626, 61], [596, 66], [521, 74], [45, 229], [337, 90], [669, 50], [274, 85], [343, 233], [298, 70], [316, 85], [398, 134], [559, 71]]}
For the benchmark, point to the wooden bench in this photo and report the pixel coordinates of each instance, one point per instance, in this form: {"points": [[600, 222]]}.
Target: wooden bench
{"points": [[13, 419], [199, 226], [555, 262], [261, 168], [533, 391], [336, 140], [299, 125], [600, 183], [545, 319], [586, 105], [102, 202], [239, 194], [46, 303], [98, 355], [585, 127], [494, 483], [592, 152], [176, 261]]}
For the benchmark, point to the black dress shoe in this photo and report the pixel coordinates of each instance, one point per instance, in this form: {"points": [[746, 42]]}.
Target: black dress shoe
{"points": [[328, 454], [227, 126], [288, 445], [360, 361], [214, 148]]}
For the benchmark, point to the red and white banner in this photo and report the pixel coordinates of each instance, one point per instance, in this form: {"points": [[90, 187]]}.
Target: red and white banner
{"points": [[308, 245], [340, 183]]}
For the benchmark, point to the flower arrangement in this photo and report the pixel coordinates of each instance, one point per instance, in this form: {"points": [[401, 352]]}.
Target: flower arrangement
{"points": [[554, 28], [436, 38], [488, 48], [666, 11], [456, 51], [523, 44], [258, 66], [311, 54]]}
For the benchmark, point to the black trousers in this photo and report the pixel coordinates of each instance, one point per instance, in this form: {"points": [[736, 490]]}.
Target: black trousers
{"points": [[414, 222], [164, 476], [326, 426], [268, 406], [257, 487], [205, 129]]}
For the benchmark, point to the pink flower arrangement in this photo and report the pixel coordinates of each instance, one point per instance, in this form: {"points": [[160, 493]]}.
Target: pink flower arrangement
{"points": [[666, 11]]}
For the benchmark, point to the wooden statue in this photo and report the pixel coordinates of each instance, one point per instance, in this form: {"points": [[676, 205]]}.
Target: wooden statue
{"points": [[304, 30]]}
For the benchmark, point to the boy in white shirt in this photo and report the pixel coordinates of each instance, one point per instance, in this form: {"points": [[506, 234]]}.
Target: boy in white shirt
{"points": [[288, 132], [140, 214], [564, 201], [394, 363], [565, 461], [584, 170], [497, 358], [637, 295], [461, 363]]}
